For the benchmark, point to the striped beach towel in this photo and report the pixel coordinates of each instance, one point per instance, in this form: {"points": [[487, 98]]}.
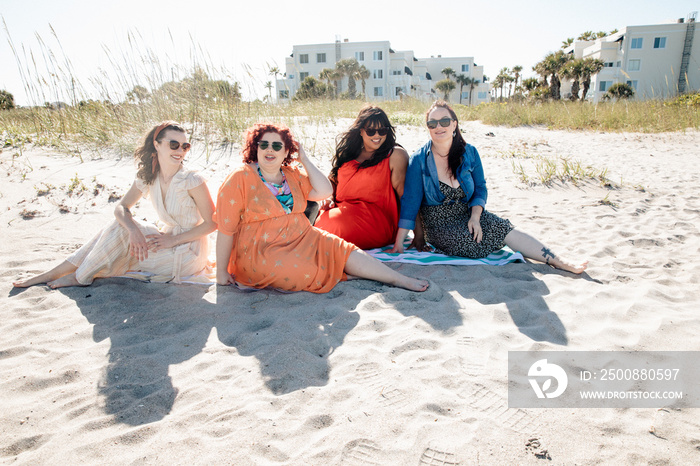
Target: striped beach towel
{"points": [[411, 256]]}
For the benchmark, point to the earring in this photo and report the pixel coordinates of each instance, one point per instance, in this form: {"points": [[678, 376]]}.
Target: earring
{"points": [[454, 133]]}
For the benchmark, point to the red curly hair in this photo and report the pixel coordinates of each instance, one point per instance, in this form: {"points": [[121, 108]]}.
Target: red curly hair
{"points": [[256, 132]]}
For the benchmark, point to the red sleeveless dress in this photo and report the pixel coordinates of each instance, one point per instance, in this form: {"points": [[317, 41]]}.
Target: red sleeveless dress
{"points": [[366, 212]]}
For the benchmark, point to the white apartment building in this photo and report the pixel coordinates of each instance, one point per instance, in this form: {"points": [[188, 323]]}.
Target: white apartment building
{"points": [[658, 61], [393, 74]]}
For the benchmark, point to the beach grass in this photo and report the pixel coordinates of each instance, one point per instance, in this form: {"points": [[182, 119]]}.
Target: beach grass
{"points": [[139, 89]]}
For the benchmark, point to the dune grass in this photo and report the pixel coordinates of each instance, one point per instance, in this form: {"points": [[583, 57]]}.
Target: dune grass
{"points": [[113, 114]]}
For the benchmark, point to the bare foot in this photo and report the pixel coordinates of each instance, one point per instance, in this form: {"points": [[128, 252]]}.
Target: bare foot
{"points": [[66, 280], [413, 284], [64, 268], [569, 267], [36, 280]]}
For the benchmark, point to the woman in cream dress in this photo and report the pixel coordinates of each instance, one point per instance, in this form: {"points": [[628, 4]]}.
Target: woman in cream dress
{"points": [[177, 249]]}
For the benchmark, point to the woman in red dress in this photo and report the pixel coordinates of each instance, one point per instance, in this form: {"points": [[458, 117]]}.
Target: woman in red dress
{"points": [[367, 176]]}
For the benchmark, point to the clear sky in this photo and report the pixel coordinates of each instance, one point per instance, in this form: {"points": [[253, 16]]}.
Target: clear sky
{"points": [[245, 38]]}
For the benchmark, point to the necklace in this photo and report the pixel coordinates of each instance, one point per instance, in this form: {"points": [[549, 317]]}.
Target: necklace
{"points": [[440, 155]]}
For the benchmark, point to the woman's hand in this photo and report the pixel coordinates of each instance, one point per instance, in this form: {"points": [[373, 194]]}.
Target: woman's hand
{"points": [[397, 249], [161, 241], [224, 278], [138, 247], [474, 227], [420, 245]]}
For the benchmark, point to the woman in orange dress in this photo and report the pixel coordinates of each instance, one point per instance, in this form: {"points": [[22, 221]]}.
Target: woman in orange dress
{"points": [[264, 238], [368, 176]]}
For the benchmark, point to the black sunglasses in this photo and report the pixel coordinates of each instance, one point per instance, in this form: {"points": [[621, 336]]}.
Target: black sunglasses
{"points": [[444, 122], [380, 131], [276, 146], [174, 145]]}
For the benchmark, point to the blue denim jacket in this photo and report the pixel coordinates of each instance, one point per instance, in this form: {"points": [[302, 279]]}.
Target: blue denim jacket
{"points": [[422, 186]]}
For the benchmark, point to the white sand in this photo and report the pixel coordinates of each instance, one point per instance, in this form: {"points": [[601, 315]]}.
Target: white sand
{"points": [[128, 372]]}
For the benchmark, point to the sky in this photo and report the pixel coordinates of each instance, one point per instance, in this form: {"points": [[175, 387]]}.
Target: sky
{"points": [[241, 40]]}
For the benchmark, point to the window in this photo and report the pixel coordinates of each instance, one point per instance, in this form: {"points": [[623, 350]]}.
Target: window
{"points": [[320, 58], [304, 58], [633, 84], [291, 76], [608, 64], [659, 42], [636, 43], [378, 91], [378, 55], [303, 75], [284, 94], [634, 64], [481, 95], [465, 95], [604, 86], [378, 74], [360, 56], [465, 68], [618, 64], [395, 72]]}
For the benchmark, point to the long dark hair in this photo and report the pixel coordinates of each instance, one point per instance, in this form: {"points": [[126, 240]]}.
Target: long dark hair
{"points": [[349, 144], [454, 157], [146, 155]]}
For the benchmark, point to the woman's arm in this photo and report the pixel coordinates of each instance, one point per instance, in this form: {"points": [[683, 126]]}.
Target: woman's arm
{"points": [[138, 247], [205, 206], [321, 186], [224, 248], [398, 163]]}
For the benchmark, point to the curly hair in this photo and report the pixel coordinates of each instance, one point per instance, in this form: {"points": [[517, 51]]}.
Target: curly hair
{"points": [[349, 144], [146, 153], [256, 132], [454, 157]]}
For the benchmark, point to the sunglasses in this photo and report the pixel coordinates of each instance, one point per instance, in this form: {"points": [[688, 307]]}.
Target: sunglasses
{"points": [[380, 131], [276, 146], [444, 122], [174, 145]]}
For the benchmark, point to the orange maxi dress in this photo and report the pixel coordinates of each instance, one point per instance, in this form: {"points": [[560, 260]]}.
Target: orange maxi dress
{"points": [[367, 212], [272, 248]]}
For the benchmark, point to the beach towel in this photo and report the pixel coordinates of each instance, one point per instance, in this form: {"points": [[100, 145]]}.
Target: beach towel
{"points": [[412, 256]]}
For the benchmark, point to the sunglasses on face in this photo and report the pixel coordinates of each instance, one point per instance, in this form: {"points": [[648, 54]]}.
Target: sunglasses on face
{"points": [[276, 146], [444, 122], [174, 145], [380, 131]]}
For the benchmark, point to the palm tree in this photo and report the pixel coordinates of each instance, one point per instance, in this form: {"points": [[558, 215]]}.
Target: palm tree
{"points": [[573, 70], [349, 67], [445, 86], [588, 35], [448, 72], [363, 75], [268, 86], [517, 69], [330, 75], [498, 82], [567, 42], [550, 66], [462, 80], [590, 67]]}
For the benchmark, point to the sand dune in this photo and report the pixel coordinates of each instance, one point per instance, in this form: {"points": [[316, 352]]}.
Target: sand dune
{"points": [[128, 372]]}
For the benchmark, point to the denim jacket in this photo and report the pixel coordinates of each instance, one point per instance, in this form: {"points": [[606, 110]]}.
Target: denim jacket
{"points": [[422, 186]]}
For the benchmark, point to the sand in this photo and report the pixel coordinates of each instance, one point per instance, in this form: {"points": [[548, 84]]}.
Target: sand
{"points": [[125, 372]]}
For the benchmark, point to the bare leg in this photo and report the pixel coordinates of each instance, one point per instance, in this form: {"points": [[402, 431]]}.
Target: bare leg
{"points": [[361, 264], [64, 268], [66, 280], [534, 249]]}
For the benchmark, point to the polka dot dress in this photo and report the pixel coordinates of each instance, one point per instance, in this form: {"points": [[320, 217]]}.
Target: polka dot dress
{"points": [[446, 228]]}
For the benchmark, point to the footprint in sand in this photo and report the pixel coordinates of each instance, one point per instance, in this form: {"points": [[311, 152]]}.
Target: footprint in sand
{"points": [[438, 455], [497, 408], [361, 452]]}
